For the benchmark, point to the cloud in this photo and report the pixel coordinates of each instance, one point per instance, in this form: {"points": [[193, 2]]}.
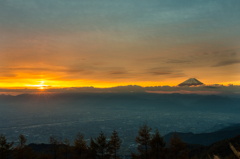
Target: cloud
{"points": [[225, 63], [177, 75], [171, 73], [117, 72], [177, 61], [27, 69], [159, 71], [7, 76], [186, 92], [231, 89], [41, 69]]}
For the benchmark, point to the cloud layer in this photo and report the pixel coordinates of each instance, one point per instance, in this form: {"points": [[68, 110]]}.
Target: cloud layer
{"points": [[230, 90]]}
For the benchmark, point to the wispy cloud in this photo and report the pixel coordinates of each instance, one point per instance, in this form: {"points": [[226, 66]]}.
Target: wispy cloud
{"points": [[178, 61], [158, 71], [117, 72], [40, 69], [225, 63], [6, 76]]}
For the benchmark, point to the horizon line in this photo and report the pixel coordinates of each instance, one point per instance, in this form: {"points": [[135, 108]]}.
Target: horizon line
{"points": [[91, 86]]}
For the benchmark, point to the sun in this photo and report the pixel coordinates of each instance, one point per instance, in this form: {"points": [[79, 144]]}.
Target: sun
{"points": [[40, 86]]}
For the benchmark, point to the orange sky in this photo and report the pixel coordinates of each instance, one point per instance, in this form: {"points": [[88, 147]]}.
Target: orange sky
{"points": [[119, 43]]}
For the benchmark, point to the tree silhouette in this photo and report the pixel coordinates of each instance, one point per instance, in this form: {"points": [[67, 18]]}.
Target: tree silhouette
{"points": [[102, 146], [114, 144], [42, 155], [157, 144], [65, 149], [22, 140], [93, 149], [22, 151], [55, 146], [177, 148], [143, 140], [5, 147], [80, 145]]}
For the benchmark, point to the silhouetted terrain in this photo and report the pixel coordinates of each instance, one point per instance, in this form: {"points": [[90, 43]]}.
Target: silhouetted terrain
{"points": [[220, 148], [207, 138]]}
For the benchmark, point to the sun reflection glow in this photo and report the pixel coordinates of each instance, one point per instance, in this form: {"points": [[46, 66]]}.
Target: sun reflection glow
{"points": [[40, 86]]}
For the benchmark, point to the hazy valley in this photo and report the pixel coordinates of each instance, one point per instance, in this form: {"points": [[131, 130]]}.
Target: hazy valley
{"points": [[37, 116]]}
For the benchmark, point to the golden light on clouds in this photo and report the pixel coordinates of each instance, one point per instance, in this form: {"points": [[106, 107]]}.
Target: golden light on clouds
{"points": [[100, 84]]}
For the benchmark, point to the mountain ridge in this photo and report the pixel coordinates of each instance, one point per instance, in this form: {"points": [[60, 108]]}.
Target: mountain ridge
{"points": [[207, 139]]}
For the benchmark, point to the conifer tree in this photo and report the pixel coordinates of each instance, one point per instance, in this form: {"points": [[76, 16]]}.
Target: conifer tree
{"points": [[5, 147], [157, 144], [22, 141], [80, 145], [22, 151], [42, 155], [177, 148], [55, 143], [143, 140], [65, 149], [134, 156], [102, 146], [93, 149], [114, 144]]}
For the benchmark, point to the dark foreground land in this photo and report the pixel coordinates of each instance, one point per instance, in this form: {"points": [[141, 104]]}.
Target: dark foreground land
{"points": [[148, 146]]}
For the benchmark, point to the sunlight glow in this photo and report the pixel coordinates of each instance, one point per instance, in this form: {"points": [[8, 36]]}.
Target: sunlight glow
{"points": [[39, 86], [48, 83]]}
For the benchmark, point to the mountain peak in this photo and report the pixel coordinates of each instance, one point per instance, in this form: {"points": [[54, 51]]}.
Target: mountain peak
{"points": [[191, 82]]}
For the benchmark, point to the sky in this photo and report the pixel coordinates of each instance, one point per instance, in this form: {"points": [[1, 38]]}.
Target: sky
{"points": [[108, 43]]}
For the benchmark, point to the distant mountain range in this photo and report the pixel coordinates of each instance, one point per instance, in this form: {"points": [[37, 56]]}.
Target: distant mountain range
{"points": [[207, 139], [220, 148]]}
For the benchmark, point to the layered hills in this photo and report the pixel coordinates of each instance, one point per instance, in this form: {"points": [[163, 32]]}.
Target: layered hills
{"points": [[207, 139]]}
